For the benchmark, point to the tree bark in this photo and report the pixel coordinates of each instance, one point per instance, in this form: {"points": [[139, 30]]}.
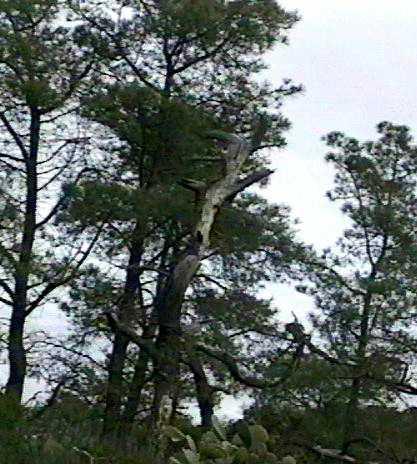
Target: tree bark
{"points": [[115, 387], [17, 354], [16, 349], [138, 381], [166, 369], [205, 393]]}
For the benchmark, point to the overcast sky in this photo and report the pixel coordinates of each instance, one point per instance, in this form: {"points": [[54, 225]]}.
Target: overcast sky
{"points": [[357, 61]]}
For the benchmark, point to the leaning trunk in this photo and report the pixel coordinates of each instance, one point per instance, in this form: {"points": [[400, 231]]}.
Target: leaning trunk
{"points": [[168, 305], [169, 340]]}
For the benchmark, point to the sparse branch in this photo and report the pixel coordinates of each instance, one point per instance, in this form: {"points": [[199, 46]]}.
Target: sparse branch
{"points": [[59, 170], [77, 79], [11, 158], [12, 167], [235, 370], [6, 288], [300, 337], [58, 116], [69, 349], [258, 331], [338, 277], [6, 302], [139, 74], [314, 349], [248, 181], [201, 58], [54, 210], [52, 398], [58, 283], [58, 150], [15, 135], [212, 280]]}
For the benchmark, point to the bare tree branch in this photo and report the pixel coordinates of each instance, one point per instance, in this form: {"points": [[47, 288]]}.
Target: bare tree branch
{"points": [[15, 135], [58, 283]]}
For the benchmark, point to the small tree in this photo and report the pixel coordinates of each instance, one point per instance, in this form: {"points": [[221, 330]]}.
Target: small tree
{"points": [[365, 292]]}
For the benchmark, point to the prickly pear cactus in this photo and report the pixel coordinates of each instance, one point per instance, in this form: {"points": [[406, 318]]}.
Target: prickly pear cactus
{"points": [[215, 448], [288, 460], [164, 432]]}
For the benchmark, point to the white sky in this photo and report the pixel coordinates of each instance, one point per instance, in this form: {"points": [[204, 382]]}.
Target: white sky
{"points": [[357, 60]]}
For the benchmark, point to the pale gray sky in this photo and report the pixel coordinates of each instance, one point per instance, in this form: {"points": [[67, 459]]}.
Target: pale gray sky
{"points": [[357, 60]]}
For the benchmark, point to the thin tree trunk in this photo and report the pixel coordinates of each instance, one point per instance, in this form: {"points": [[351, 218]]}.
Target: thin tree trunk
{"points": [[351, 414], [135, 390], [206, 406], [139, 378], [16, 349], [356, 387], [115, 387], [205, 393], [176, 400], [17, 354]]}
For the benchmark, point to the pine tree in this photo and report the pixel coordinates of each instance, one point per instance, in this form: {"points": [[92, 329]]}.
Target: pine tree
{"points": [[43, 69], [365, 290]]}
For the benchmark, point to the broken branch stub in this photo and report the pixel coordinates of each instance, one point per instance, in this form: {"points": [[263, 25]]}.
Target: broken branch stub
{"points": [[227, 187]]}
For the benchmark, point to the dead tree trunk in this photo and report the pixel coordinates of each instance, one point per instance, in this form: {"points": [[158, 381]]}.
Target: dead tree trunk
{"points": [[169, 305]]}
